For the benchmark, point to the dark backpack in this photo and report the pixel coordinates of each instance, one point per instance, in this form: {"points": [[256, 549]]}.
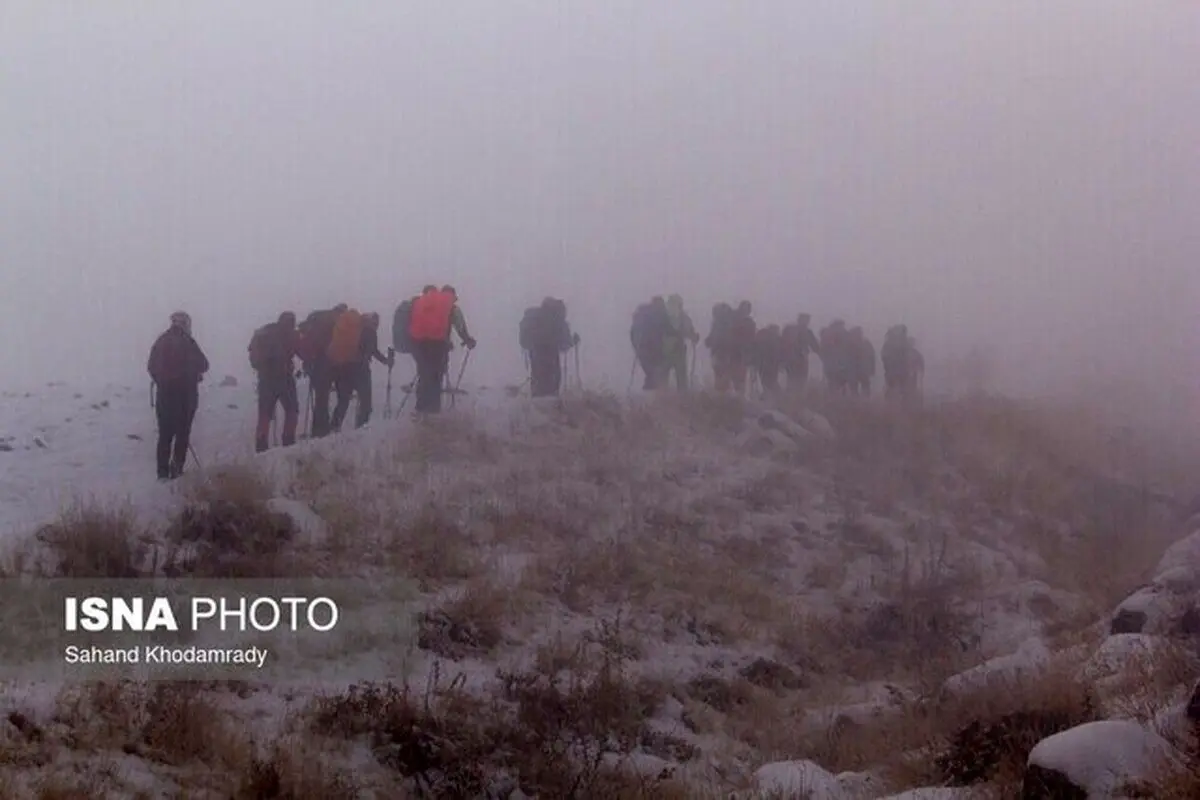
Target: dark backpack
{"points": [[401, 340], [527, 334], [643, 322], [260, 348]]}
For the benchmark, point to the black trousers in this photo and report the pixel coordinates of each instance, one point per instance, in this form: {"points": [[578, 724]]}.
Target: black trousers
{"points": [[433, 358], [275, 390], [320, 380], [545, 371], [346, 381], [175, 408]]}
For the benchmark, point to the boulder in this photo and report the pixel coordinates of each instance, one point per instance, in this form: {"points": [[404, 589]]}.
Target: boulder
{"points": [[228, 381], [814, 423], [308, 524], [934, 793], [798, 779], [778, 421], [759, 442], [1030, 657], [1120, 654], [1096, 759]]}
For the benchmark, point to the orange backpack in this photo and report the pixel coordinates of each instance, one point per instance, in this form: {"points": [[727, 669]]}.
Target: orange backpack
{"points": [[347, 332], [430, 317]]}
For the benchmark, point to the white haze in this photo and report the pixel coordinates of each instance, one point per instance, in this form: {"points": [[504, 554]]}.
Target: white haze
{"points": [[1024, 174]]}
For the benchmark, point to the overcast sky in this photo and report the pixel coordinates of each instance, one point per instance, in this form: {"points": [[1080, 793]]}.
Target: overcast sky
{"points": [[1020, 173]]}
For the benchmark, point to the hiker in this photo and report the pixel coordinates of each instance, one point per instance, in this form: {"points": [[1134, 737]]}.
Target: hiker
{"points": [[898, 362], [862, 362], [368, 351], [176, 365], [835, 356], [316, 332], [648, 335], [916, 379], [434, 314], [272, 348], [545, 335], [679, 335], [743, 332], [798, 341], [720, 345], [343, 358], [767, 358]]}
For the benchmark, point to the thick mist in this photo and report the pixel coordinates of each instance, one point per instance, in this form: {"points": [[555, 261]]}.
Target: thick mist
{"points": [[1016, 174]]}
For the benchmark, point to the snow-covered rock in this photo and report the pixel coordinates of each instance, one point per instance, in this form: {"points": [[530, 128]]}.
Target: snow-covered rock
{"points": [[798, 778], [759, 442], [1097, 758], [932, 793], [778, 421], [1120, 653], [1031, 656], [308, 524]]}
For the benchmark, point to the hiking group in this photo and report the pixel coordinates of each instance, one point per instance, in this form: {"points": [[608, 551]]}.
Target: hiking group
{"points": [[337, 346], [743, 354]]}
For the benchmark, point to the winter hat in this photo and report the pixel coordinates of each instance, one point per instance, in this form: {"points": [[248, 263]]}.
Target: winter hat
{"points": [[182, 320]]}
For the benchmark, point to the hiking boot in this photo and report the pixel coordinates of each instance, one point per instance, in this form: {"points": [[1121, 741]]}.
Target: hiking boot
{"points": [[176, 471]]}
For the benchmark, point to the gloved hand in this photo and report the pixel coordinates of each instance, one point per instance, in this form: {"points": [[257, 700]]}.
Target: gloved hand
{"points": [[575, 339], [299, 374], [469, 344]]}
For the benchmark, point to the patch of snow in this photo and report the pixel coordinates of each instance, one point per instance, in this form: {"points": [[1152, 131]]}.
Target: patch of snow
{"points": [[1098, 757]]}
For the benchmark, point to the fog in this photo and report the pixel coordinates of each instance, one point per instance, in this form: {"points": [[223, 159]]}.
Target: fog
{"points": [[1023, 175]]}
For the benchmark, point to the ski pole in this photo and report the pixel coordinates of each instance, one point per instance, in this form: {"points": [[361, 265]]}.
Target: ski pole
{"points": [[632, 372], [387, 403], [461, 370], [578, 374]]}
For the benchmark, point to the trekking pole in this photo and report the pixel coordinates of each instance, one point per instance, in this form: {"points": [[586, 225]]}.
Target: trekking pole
{"points": [[578, 374], [458, 383], [308, 406], [408, 392], [692, 368], [196, 458], [632, 372], [387, 402]]}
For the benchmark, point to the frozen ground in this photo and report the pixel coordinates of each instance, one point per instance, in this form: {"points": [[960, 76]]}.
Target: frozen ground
{"points": [[662, 597]]}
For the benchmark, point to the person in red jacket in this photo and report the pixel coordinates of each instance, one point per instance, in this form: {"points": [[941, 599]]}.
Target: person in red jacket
{"points": [[176, 365], [433, 315]]}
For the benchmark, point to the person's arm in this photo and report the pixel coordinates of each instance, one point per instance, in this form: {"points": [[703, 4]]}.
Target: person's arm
{"points": [[813, 343], [154, 362], [202, 364], [459, 322]]}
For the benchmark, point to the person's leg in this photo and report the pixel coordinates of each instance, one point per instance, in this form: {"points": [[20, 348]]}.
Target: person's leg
{"points": [[429, 376], [167, 426], [363, 390], [290, 400], [343, 385], [189, 401], [268, 396], [322, 382]]}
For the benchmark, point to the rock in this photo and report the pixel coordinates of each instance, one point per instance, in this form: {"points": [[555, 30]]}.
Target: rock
{"points": [[798, 779], [768, 674], [814, 423], [758, 442], [1189, 624], [6, 447], [1128, 620], [778, 421], [1183, 555], [1095, 760], [1119, 654], [1031, 656], [1193, 706], [307, 522], [133, 436], [933, 793], [228, 381]]}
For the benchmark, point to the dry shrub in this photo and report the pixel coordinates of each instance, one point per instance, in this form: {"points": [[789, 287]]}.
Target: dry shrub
{"points": [[232, 538], [172, 723], [981, 735], [555, 728], [89, 540], [472, 623], [708, 412], [240, 484], [432, 549], [293, 771], [921, 631]]}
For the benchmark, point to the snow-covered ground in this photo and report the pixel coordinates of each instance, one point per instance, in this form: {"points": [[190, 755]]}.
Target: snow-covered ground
{"points": [[768, 599]]}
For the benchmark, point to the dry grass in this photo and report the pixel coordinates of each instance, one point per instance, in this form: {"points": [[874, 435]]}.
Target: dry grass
{"points": [[564, 726], [90, 540], [295, 770]]}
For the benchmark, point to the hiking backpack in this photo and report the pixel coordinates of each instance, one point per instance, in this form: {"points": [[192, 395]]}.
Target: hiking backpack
{"points": [[527, 334], [401, 340], [431, 314], [260, 348], [347, 334]]}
